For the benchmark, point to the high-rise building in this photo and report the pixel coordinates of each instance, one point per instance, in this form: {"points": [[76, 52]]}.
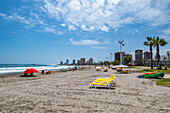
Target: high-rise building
{"points": [[67, 62], [117, 55], [61, 63], [138, 57], [78, 62], [82, 61], [147, 57], [90, 61], [74, 62]]}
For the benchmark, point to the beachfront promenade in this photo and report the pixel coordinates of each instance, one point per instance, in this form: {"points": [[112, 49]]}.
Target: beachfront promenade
{"points": [[69, 91]]}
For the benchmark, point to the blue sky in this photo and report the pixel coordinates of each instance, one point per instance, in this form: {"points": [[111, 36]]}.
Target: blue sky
{"points": [[48, 31]]}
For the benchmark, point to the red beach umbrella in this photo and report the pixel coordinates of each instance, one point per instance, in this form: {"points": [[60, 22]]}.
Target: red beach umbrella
{"points": [[31, 70]]}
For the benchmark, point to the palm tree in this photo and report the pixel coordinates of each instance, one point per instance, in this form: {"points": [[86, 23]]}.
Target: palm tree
{"points": [[165, 60], [168, 53], [158, 41], [149, 43], [127, 59]]}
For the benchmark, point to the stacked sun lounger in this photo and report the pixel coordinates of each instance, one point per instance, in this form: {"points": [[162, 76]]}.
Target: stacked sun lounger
{"points": [[124, 71], [103, 82]]}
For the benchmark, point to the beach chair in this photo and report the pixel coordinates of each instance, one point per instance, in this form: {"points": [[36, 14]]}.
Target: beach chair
{"points": [[48, 72], [104, 79], [98, 68], [125, 71], [103, 82], [105, 70], [119, 69]]}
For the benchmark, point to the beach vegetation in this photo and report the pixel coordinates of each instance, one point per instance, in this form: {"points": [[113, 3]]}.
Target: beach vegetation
{"points": [[168, 53], [164, 82], [158, 42], [150, 70], [106, 63], [164, 59], [134, 67], [116, 62], [150, 43], [127, 59]]}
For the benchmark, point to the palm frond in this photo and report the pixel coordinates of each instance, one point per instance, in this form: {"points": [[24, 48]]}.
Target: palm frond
{"points": [[162, 42], [146, 43]]}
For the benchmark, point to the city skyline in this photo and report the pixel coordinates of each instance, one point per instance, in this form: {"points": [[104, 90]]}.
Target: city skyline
{"points": [[141, 57], [47, 32]]}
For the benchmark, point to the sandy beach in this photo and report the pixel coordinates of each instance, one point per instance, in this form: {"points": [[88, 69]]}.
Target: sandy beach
{"points": [[61, 92]]}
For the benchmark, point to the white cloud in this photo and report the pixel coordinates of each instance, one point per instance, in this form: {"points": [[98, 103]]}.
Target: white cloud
{"points": [[71, 27], [74, 5], [113, 1], [28, 21], [50, 29], [37, 19], [90, 15], [99, 47], [116, 29], [17, 17], [163, 51], [166, 33], [86, 42], [2, 14], [105, 14], [136, 31], [63, 25], [104, 28]]}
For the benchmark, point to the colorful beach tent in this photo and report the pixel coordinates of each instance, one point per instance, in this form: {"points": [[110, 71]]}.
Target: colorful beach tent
{"points": [[31, 70]]}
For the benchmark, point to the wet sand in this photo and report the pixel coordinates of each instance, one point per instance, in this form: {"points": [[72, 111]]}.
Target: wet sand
{"points": [[69, 91]]}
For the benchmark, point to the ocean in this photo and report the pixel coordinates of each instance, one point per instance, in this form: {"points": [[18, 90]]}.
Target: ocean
{"points": [[20, 68]]}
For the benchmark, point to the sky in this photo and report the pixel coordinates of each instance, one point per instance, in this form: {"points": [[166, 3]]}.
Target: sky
{"points": [[50, 31]]}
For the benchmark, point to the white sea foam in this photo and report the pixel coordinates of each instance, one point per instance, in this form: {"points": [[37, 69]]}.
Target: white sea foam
{"points": [[6, 70]]}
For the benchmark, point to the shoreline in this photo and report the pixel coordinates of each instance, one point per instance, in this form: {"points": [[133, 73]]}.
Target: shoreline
{"points": [[37, 74], [12, 70]]}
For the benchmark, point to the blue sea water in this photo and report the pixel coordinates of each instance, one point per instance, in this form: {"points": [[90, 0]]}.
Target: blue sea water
{"points": [[21, 65], [20, 68]]}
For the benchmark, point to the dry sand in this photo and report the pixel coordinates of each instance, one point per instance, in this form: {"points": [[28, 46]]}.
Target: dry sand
{"points": [[62, 92]]}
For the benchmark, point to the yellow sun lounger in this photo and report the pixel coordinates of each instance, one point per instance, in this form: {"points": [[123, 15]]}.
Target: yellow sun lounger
{"points": [[104, 79], [106, 82]]}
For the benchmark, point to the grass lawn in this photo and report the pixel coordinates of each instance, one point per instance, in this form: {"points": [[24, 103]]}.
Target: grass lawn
{"points": [[134, 67], [164, 82], [149, 70]]}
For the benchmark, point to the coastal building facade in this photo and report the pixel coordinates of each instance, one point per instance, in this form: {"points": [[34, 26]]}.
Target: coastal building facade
{"points": [[67, 62], [61, 63], [138, 57], [117, 55], [74, 62], [82, 61], [78, 62], [147, 57], [90, 61]]}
